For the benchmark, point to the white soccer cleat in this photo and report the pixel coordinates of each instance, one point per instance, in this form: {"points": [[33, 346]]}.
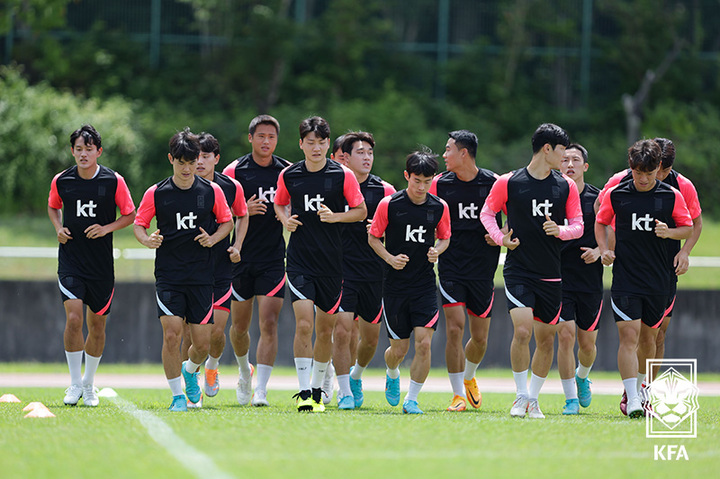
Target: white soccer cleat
{"points": [[519, 406], [73, 395], [260, 398], [634, 408], [90, 397], [328, 384], [244, 388], [533, 410]]}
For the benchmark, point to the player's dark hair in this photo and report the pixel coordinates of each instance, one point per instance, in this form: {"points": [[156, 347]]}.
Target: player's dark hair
{"points": [[338, 144], [422, 162], [644, 155], [184, 145], [353, 137], [549, 133], [465, 139], [580, 148], [667, 152], [89, 135], [208, 143], [263, 120], [314, 124]]}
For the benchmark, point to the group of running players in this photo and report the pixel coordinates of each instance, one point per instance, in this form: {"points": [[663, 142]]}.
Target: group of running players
{"points": [[361, 254]]}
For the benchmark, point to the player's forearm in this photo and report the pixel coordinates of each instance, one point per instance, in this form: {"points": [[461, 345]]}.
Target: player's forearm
{"points": [[281, 211], [223, 230], [487, 217], [601, 236], [694, 237], [120, 223], [353, 215], [680, 233], [241, 227], [573, 230], [442, 245], [140, 234], [55, 216], [377, 245]]}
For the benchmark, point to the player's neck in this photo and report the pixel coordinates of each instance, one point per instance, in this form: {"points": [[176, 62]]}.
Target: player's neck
{"points": [[580, 182], [210, 176], [361, 177], [182, 183], [467, 172], [314, 166], [89, 172], [538, 167], [262, 160], [417, 199]]}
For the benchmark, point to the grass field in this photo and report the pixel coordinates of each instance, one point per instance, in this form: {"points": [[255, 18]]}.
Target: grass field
{"points": [[135, 436]]}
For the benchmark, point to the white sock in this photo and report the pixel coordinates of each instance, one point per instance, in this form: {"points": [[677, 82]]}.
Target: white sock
{"points": [[91, 365], [470, 369], [582, 371], [176, 386], [263, 376], [74, 360], [356, 371], [303, 366], [521, 382], [456, 381], [243, 365], [630, 388], [393, 373], [413, 391], [191, 367], [344, 384], [212, 363], [569, 388], [536, 383], [318, 374], [640, 380]]}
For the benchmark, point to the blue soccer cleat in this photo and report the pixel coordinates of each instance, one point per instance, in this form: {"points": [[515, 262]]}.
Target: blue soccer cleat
{"points": [[346, 402], [572, 407], [411, 407], [179, 404], [192, 388], [356, 388], [392, 390], [583, 390]]}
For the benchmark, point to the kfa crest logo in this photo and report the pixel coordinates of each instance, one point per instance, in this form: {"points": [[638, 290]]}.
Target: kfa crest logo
{"points": [[86, 209], [673, 397]]}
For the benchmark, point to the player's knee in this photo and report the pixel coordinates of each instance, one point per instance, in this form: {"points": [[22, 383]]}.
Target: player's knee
{"points": [[422, 347], [522, 335], [303, 328], [566, 339], [454, 331]]}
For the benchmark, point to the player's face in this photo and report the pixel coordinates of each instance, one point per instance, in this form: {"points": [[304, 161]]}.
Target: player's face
{"points": [[555, 156], [452, 155], [644, 180], [663, 173], [264, 140], [183, 170], [360, 160], [573, 165], [418, 186], [314, 147], [340, 157], [205, 165], [85, 155]]}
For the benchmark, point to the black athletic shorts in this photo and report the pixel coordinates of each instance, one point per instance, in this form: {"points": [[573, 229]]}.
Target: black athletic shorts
{"points": [[258, 279], [192, 302], [544, 297], [96, 294], [476, 296], [583, 308], [649, 308], [364, 298], [324, 291], [404, 313]]}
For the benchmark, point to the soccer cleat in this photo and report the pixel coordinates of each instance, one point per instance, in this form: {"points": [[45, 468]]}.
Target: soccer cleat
{"points": [[411, 407], [243, 392], [73, 394], [212, 382], [533, 410], [197, 405], [304, 401], [179, 404], [634, 408], [346, 402], [572, 407], [645, 399], [519, 406], [472, 392], [392, 390], [623, 403], [328, 384], [317, 400], [90, 397], [583, 390], [192, 389], [259, 398], [457, 404], [356, 388]]}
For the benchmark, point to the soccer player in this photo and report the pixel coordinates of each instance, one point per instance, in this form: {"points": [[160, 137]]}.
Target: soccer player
{"points": [[316, 190], [467, 268], [224, 253], [260, 276], [410, 220], [582, 291], [82, 207], [362, 278], [537, 200], [646, 213], [186, 208]]}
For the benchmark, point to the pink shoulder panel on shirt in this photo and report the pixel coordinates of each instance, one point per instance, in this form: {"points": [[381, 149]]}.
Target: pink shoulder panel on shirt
{"points": [[351, 189], [442, 231], [389, 189], [146, 210], [498, 196], [230, 169], [690, 196], [122, 196], [54, 200], [606, 213], [433, 185], [680, 213], [282, 196], [239, 206], [380, 220], [613, 181], [221, 208]]}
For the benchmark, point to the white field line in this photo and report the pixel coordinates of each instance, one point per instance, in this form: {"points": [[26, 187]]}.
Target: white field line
{"points": [[190, 457]]}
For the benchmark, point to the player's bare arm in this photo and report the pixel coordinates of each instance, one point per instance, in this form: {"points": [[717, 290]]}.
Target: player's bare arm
{"points": [[601, 236], [353, 215], [289, 222], [397, 262], [681, 262], [63, 234], [434, 252], [98, 231], [152, 241], [589, 255], [208, 241], [256, 206], [241, 226], [662, 230]]}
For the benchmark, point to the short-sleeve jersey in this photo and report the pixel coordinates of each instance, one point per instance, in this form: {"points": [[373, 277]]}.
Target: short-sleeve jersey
{"points": [[235, 198], [526, 201], [576, 274], [264, 241], [180, 214], [360, 263], [642, 263], [411, 229], [315, 248], [85, 203], [468, 257]]}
